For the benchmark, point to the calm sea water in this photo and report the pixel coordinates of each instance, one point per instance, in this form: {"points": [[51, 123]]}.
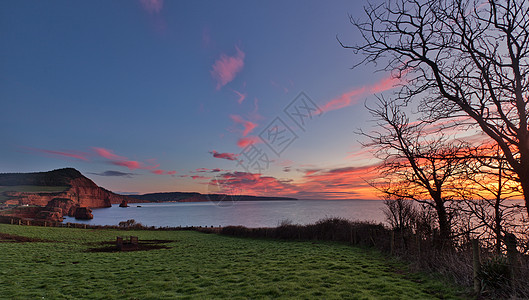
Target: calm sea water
{"points": [[245, 213]]}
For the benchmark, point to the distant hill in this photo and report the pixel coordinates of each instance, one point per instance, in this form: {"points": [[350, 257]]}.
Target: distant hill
{"points": [[198, 197], [59, 177]]}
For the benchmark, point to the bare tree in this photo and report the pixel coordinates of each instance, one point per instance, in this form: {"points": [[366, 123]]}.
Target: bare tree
{"points": [[416, 165], [488, 184], [461, 58], [400, 213]]}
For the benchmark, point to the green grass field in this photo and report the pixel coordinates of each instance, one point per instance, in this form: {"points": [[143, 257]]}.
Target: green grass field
{"points": [[30, 189], [198, 265]]}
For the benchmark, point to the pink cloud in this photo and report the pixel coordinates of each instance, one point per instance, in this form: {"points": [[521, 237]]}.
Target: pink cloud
{"points": [[163, 172], [246, 141], [226, 67], [344, 100], [248, 125], [352, 97], [122, 161], [108, 154], [339, 183], [195, 177], [385, 84], [131, 164], [311, 171], [67, 154], [152, 6], [255, 112], [242, 96], [254, 184], [228, 156]]}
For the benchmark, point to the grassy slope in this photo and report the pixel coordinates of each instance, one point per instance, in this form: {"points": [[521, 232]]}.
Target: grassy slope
{"points": [[30, 189], [199, 266]]}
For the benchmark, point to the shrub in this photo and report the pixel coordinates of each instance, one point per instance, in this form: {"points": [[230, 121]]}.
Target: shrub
{"points": [[495, 274], [130, 224]]}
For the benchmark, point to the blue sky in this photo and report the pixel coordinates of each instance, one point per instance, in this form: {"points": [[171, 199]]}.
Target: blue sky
{"points": [[150, 90]]}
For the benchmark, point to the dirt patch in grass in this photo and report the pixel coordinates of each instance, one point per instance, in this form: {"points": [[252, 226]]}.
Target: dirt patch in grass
{"points": [[11, 238], [143, 245]]}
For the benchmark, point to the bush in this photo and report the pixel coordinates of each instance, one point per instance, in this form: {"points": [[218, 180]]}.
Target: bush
{"points": [[130, 224], [495, 274]]}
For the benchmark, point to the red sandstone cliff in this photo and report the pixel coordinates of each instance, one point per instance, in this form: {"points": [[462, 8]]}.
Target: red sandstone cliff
{"points": [[81, 190]]}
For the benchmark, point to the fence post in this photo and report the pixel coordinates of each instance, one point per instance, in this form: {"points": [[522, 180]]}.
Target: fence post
{"points": [[512, 255], [476, 264]]}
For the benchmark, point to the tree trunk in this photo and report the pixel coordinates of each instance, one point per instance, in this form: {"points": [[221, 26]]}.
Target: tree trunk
{"points": [[497, 225], [444, 224]]}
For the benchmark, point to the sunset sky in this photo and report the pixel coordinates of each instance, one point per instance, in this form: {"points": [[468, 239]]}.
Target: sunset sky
{"points": [[148, 96]]}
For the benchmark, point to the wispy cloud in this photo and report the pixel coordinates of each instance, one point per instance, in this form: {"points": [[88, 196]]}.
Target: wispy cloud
{"points": [[163, 172], [385, 84], [344, 100], [228, 156], [123, 161], [241, 96], [248, 125], [353, 96], [131, 164], [206, 170], [64, 154], [114, 173], [226, 67], [154, 9], [108, 154], [254, 114], [285, 88], [152, 6]]}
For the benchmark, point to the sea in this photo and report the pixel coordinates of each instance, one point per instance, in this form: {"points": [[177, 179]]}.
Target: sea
{"points": [[250, 214]]}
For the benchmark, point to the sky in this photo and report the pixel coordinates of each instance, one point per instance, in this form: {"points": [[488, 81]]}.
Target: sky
{"points": [[158, 96]]}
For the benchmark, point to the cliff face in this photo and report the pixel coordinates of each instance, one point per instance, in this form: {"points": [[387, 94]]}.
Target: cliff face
{"points": [[81, 190]]}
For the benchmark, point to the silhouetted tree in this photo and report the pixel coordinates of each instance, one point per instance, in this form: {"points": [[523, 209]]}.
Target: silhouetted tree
{"points": [[460, 58], [416, 164], [400, 213], [487, 185]]}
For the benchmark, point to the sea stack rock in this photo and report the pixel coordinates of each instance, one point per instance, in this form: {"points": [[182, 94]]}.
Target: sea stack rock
{"points": [[53, 216], [83, 213], [65, 205], [124, 203]]}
